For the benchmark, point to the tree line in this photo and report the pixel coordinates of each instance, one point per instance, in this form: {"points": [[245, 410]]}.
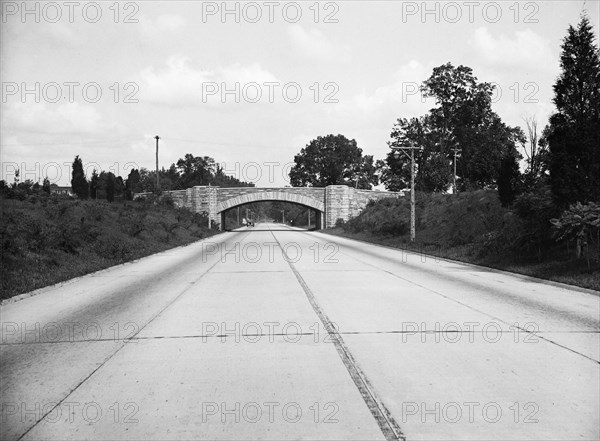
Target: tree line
{"points": [[189, 171], [564, 157]]}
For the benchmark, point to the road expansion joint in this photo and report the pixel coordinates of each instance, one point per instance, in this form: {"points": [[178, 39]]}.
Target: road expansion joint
{"points": [[287, 334], [515, 325], [122, 344], [385, 420]]}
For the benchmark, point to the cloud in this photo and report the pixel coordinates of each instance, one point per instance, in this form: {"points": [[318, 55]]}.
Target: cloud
{"points": [[67, 118], [176, 82], [245, 74], [143, 146], [62, 32], [38, 135], [179, 83], [314, 45], [526, 49], [170, 23], [401, 96]]}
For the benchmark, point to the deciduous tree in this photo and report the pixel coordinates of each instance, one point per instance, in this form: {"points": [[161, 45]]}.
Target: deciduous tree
{"points": [[333, 160]]}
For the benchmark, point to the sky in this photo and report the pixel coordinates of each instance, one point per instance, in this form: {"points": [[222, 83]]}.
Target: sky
{"points": [[252, 83]]}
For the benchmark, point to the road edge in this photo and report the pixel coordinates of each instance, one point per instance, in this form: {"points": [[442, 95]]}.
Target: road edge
{"points": [[44, 289], [495, 270]]}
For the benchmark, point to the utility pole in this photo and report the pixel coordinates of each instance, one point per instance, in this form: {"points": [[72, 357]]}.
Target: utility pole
{"points": [[409, 146], [455, 150], [413, 231], [157, 178]]}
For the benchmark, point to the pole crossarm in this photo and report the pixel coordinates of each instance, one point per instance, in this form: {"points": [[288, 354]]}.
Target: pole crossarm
{"points": [[404, 150]]}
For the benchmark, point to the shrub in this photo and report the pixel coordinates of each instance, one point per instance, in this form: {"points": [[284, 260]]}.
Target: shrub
{"points": [[384, 217], [56, 238], [167, 200], [580, 223]]}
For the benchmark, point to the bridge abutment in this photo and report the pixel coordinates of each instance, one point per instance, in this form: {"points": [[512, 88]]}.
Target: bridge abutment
{"points": [[337, 204]]}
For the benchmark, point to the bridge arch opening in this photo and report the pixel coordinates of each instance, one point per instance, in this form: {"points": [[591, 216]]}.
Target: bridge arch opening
{"points": [[311, 216]]}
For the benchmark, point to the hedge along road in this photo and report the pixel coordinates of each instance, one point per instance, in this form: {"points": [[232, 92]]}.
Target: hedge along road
{"points": [[269, 333]]}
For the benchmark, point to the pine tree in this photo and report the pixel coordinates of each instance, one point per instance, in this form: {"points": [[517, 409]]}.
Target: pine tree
{"points": [[46, 185], [79, 183], [574, 130]]}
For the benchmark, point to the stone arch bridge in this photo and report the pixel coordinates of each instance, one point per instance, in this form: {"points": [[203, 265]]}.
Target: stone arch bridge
{"points": [[330, 203]]}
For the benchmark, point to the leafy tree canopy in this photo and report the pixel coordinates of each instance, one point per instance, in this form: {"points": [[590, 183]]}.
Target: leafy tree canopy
{"points": [[188, 172], [333, 160], [462, 119]]}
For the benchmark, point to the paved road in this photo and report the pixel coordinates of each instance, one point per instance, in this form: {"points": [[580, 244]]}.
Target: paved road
{"points": [[227, 339]]}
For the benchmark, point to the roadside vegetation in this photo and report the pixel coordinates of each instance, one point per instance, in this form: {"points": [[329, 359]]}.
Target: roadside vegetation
{"points": [[49, 235], [474, 227], [48, 238]]}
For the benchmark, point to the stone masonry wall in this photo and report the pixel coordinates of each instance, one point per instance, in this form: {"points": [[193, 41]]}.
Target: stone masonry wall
{"points": [[228, 193], [337, 204], [360, 198], [343, 202], [340, 201]]}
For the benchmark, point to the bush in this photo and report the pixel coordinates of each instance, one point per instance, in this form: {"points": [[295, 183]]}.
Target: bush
{"points": [[167, 200], [442, 219], [384, 217], [580, 223], [56, 238], [536, 208]]}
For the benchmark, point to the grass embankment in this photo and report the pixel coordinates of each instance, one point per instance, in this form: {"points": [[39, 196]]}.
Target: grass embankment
{"points": [[49, 240], [471, 227]]}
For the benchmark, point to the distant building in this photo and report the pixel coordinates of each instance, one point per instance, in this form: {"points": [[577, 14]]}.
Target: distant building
{"points": [[67, 191]]}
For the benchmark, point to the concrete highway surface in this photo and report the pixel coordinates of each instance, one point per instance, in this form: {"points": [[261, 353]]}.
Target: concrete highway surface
{"points": [[270, 333]]}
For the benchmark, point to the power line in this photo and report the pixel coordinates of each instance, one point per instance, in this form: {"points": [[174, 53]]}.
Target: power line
{"points": [[197, 141]]}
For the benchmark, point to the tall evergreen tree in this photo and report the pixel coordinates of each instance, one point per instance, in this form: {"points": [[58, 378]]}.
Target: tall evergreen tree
{"points": [[574, 130], [46, 185], [79, 183], [132, 183], [94, 183], [110, 187]]}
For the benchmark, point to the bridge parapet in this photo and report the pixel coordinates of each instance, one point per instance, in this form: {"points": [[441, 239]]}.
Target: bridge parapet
{"points": [[231, 192]]}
